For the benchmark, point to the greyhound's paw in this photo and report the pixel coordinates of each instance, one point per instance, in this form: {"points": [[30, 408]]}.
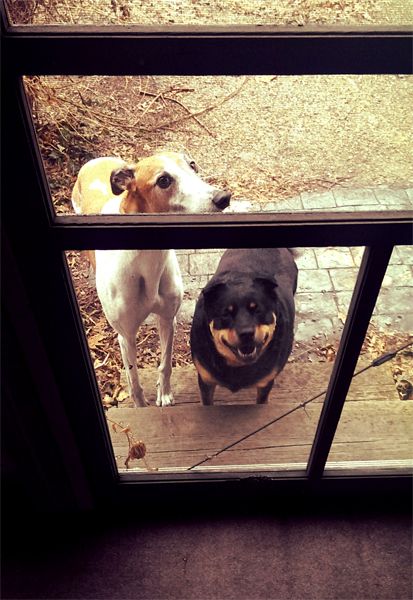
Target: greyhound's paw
{"points": [[164, 399], [141, 402], [139, 398]]}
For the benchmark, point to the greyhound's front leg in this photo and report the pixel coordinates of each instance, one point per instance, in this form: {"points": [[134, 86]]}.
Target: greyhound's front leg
{"points": [[166, 328], [128, 349], [168, 302]]}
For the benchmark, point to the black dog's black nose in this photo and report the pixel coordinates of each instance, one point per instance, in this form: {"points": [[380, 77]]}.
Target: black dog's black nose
{"points": [[221, 199]]}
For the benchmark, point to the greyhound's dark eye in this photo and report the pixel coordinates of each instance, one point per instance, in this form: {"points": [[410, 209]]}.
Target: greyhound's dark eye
{"points": [[164, 181], [193, 166]]}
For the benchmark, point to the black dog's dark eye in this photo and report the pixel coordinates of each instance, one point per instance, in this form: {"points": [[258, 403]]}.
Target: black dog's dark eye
{"points": [[193, 166], [164, 181], [252, 306], [229, 310]]}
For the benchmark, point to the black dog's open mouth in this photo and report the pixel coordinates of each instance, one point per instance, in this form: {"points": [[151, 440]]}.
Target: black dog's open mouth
{"points": [[247, 354]]}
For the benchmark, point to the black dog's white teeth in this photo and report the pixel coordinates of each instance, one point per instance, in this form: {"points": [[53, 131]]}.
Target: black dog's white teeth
{"points": [[247, 355], [244, 356]]}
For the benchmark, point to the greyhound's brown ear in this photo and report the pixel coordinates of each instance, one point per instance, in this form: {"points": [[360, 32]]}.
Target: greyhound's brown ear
{"points": [[120, 179]]}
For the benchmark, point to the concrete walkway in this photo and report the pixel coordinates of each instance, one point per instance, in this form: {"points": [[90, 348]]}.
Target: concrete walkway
{"points": [[326, 275]]}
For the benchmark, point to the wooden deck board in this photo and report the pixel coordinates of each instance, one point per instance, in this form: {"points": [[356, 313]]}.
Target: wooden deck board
{"points": [[298, 382], [378, 427]]}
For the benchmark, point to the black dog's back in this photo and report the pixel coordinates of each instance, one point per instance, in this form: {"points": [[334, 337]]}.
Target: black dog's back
{"points": [[277, 263]]}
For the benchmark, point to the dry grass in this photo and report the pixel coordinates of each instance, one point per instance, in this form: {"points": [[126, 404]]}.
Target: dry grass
{"points": [[212, 12]]}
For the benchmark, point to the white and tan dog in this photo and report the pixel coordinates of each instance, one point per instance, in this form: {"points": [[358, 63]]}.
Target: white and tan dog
{"points": [[131, 284]]}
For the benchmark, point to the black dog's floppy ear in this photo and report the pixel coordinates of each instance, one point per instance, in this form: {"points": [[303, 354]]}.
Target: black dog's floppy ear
{"points": [[120, 179], [268, 284], [211, 292]]}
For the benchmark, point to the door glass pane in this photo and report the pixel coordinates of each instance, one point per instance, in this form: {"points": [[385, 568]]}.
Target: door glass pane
{"points": [[278, 143], [255, 137], [376, 426], [235, 434]]}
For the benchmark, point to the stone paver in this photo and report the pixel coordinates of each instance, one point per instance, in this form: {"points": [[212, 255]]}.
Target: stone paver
{"points": [[343, 279], [290, 204], [326, 275], [393, 198], [406, 254], [309, 304], [313, 200], [311, 328], [201, 264], [328, 258], [343, 301], [306, 259], [398, 276], [350, 197], [314, 280], [357, 253]]}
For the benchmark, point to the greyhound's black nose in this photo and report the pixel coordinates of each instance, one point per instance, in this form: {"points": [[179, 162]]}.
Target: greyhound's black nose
{"points": [[221, 199]]}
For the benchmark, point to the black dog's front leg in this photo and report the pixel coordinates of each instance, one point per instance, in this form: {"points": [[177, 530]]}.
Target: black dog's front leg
{"points": [[263, 392], [207, 391]]}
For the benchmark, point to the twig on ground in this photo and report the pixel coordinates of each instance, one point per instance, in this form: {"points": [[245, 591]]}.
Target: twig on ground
{"points": [[213, 106]]}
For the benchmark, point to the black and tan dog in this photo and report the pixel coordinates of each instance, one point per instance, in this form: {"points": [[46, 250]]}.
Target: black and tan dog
{"points": [[242, 331]]}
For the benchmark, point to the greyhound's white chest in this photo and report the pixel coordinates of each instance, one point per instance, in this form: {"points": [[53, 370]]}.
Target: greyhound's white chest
{"points": [[124, 272]]}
